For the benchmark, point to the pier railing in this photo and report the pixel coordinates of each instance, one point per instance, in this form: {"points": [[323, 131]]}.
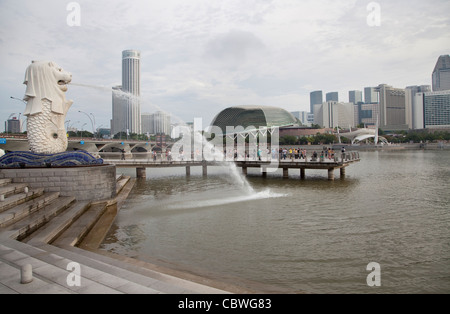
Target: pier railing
{"points": [[164, 158]]}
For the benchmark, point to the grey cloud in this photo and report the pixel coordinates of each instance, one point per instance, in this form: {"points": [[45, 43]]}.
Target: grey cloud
{"points": [[233, 47]]}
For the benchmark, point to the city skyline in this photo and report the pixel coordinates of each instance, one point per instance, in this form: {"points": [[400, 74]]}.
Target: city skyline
{"points": [[203, 56]]}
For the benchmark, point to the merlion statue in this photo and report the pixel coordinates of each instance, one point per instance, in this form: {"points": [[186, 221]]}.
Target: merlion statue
{"points": [[46, 107]]}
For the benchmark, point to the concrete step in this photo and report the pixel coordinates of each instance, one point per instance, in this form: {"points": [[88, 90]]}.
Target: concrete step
{"points": [[12, 188], [54, 228], [50, 271], [121, 183], [19, 212], [95, 237], [17, 199], [25, 227], [4, 182], [75, 233]]}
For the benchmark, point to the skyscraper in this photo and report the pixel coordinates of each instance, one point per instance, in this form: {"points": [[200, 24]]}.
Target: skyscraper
{"points": [[331, 114], [437, 109], [441, 74], [332, 96], [126, 98], [413, 108], [156, 123], [392, 108], [355, 96], [370, 95], [315, 98], [131, 84]]}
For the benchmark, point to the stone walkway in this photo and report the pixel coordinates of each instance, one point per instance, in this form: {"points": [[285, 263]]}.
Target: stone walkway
{"points": [[47, 228]]}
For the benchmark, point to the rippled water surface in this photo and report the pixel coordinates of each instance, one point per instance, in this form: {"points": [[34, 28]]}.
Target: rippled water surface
{"points": [[311, 235]]}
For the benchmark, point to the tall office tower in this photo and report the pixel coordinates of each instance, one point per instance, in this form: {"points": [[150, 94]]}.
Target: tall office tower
{"points": [[413, 109], [331, 114], [333, 96], [147, 122], [392, 108], [441, 74], [437, 109], [131, 84], [355, 96], [370, 95], [315, 98], [156, 123], [162, 123]]}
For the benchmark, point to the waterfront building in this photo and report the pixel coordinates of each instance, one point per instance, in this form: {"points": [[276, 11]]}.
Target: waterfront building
{"points": [[253, 116], [332, 96], [392, 108], [437, 109], [441, 74], [370, 95], [432, 110], [315, 98]]}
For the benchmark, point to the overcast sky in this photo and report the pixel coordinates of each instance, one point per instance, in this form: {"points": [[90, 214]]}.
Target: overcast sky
{"points": [[199, 57]]}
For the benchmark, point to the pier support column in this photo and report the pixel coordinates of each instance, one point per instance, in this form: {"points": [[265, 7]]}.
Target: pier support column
{"points": [[188, 171], [285, 173], [141, 173], [331, 174], [264, 172], [302, 173], [342, 172], [244, 171]]}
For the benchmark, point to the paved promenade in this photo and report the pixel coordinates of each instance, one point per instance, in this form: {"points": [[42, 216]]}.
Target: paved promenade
{"points": [[47, 231]]}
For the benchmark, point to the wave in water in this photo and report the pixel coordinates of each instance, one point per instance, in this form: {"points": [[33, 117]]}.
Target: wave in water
{"points": [[229, 200]]}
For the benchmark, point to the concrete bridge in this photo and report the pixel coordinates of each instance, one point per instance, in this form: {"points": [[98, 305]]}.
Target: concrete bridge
{"points": [[338, 162]]}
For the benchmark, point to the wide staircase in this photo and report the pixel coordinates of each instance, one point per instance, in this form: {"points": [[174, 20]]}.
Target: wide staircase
{"points": [[50, 232]]}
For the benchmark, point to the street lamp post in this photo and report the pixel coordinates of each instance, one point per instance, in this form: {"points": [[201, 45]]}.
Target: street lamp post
{"points": [[20, 123], [93, 131], [82, 128], [94, 128]]}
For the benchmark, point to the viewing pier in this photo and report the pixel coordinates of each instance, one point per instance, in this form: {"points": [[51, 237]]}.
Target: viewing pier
{"points": [[266, 164]]}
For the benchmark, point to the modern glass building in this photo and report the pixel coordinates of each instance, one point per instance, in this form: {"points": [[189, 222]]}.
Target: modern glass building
{"points": [[370, 95], [253, 116], [332, 96], [414, 110], [355, 96], [441, 74], [315, 98], [437, 109]]}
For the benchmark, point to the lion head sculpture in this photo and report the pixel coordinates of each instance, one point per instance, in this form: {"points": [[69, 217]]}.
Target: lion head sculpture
{"points": [[46, 106], [46, 80]]}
